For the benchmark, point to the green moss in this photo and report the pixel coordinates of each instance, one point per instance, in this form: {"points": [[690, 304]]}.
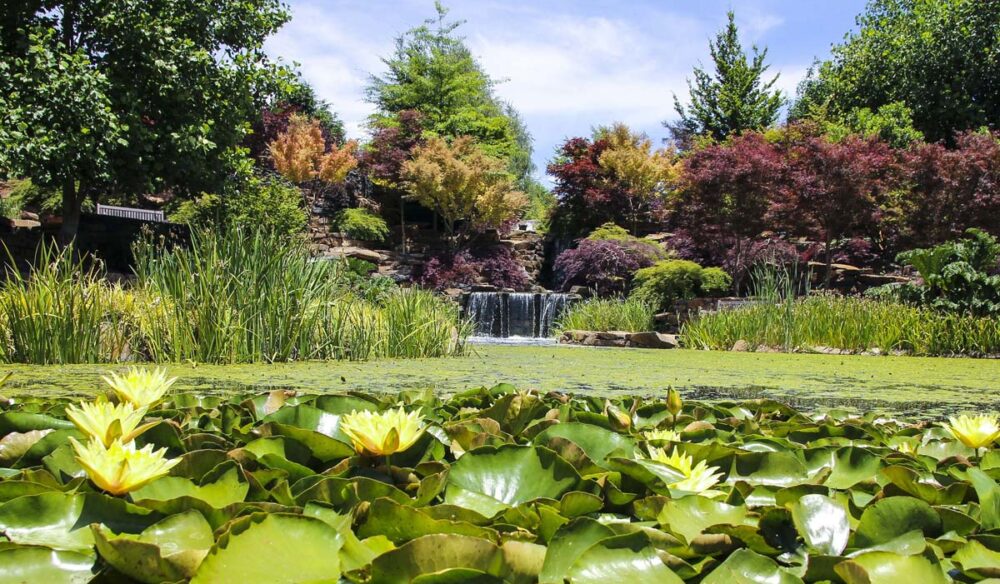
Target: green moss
{"points": [[913, 385]]}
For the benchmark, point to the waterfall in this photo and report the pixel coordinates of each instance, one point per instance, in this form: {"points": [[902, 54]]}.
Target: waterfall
{"points": [[521, 315]]}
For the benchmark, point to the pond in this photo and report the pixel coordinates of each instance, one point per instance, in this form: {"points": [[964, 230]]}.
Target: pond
{"points": [[906, 385]]}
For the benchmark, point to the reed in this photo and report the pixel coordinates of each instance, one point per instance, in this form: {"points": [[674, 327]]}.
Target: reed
{"points": [[614, 314]]}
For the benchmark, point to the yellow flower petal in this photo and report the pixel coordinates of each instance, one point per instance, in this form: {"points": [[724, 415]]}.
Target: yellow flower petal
{"points": [[382, 433], [974, 431], [121, 468], [140, 387], [108, 422]]}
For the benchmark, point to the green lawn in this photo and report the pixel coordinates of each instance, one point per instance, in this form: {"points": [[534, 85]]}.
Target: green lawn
{"points": [[915, 385]]}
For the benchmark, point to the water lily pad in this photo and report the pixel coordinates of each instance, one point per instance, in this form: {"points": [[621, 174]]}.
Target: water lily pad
{"points": [[401, 523], [167, 551], [489, 480], [62, 521], [893, 517], [275, 548], [598, 443], [890, 568], [978, 561], [623, 558], [41, 564], [568, 544], [747, 567], [433, 554], [823, 524], [224, 490], [690, 516]]}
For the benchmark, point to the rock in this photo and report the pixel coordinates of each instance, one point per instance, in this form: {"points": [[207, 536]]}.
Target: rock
{"points": [[880, 279], [668, 318], [29, 216], [581, 291], [653, 340], [359, 253], [483, 288], [453, 292], [612, 335], [740, 346]]}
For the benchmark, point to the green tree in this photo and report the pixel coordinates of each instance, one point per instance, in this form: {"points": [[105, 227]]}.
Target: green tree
{"points": [[734, 99], [939, 58], [434, 73], [115, 98]]}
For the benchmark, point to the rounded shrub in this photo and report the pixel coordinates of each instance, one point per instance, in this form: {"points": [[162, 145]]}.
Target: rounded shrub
{"points": [[362, 224], [715, 282], [668, 281]]}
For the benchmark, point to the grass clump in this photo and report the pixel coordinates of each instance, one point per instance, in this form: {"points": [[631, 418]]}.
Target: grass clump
{"points": [[782, 320], [237, 297], [600, 314]]}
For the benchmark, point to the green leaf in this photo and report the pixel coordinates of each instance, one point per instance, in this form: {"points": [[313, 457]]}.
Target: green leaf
{"points": [[690, 516], [276, 548], [747, 567], [774, 469], [890, 568], [29, 564], [489, 479], [225, 490], [62, 521], [823, 523], [401, 523], [989, 498], [893, 517], [623, 558], [568, 544], [432, 554], [978, 561], [167, 551], [596, 442]]}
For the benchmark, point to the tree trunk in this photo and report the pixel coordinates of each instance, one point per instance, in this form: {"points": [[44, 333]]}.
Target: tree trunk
{"points": [[829, 265], [70, 213]]}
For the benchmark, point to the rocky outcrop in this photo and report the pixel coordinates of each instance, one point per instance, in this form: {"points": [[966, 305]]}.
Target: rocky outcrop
{"points": [[641, 340]]}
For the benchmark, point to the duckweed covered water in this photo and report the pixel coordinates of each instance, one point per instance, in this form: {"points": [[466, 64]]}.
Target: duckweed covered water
{"points": [[911, 385]]}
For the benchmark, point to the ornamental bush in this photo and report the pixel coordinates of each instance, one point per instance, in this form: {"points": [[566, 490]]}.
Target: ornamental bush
{"points": [[666, 282], [362, 224], [606, 266]]}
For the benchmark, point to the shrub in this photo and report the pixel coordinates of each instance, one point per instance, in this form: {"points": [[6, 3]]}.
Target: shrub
{"points": [[663, 283], [362, 224], [612, 232], [495, 265], [10, 208], [612, 314], [248, 202], [606, 266], [957, 276], [715, 282]]}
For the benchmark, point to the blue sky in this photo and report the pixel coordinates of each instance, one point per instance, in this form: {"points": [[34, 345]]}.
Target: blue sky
{"points": [[567, 65]]}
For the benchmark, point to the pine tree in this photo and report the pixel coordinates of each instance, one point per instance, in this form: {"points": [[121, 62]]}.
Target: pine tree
{"points": [[735, 99]]}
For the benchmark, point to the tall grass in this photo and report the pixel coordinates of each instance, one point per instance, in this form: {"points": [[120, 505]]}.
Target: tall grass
{"points": [[242, 297], [616, 314], [781, 320], [63, 312]]}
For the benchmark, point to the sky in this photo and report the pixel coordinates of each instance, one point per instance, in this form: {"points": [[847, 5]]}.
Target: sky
{"points": [[566, 65]]}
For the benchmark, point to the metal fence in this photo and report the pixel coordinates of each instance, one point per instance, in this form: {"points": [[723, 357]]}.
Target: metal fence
{"points": [[129, 213]]}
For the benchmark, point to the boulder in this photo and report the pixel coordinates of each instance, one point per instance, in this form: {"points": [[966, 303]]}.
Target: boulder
{"points": [[359, 253], [653, 340], [740, 346], [581, 291]]}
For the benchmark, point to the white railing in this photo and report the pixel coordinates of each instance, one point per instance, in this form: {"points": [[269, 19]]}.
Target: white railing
{"points": [[130, 213]]}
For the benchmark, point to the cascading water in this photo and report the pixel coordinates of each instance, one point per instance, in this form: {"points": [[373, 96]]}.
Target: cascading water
{"points": [[503, 315]]}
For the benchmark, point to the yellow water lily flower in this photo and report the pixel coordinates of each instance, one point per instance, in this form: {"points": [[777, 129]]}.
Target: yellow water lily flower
{"points": [[121, 468], [698, 478], [108, 422], [674, 402], [671, 435], [974, 431], [140, 387], [382, 433]]}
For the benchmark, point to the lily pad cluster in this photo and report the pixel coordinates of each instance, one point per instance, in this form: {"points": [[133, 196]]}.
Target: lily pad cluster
{"points": [[501, 485]]}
